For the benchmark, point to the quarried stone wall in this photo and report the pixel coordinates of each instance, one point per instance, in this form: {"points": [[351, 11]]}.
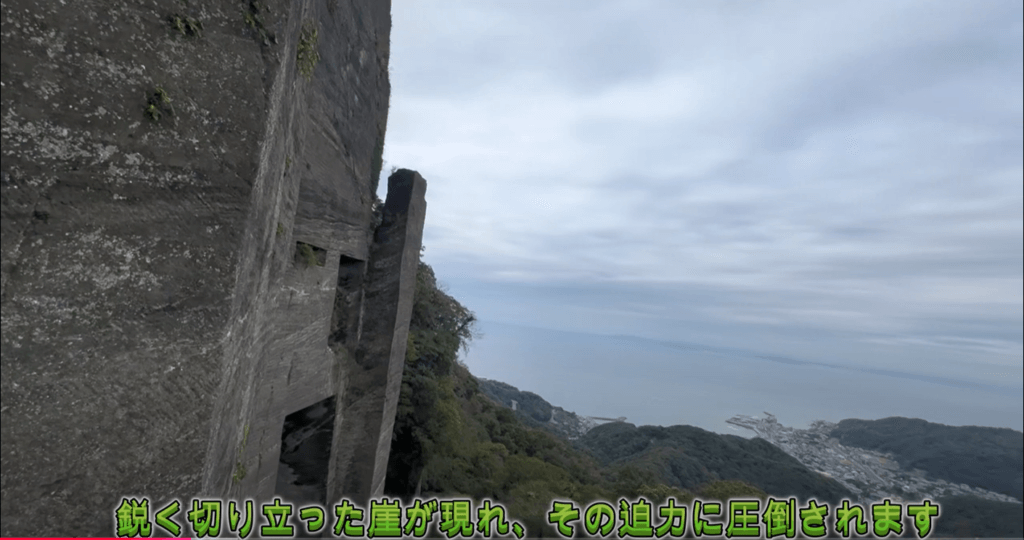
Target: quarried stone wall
{"points": [[184, 195]]}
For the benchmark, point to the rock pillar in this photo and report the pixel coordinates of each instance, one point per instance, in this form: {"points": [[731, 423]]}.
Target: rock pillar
{"points": [[372, 376]]}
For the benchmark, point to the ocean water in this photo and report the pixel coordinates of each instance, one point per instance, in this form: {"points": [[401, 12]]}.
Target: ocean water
{"points": [[664, 383]]}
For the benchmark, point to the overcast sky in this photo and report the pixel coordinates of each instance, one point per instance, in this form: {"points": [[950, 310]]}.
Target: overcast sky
{"points": [[837, 182]]}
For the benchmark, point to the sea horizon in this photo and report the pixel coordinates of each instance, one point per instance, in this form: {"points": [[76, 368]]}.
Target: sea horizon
{"points": [[664, 382]]}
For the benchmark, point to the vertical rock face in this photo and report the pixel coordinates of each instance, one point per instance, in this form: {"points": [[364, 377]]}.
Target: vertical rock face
{"points": [[370, 392], [188, 251]]}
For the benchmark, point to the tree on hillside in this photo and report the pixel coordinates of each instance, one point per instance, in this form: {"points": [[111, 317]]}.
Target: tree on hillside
{"points": [[427, 415]]}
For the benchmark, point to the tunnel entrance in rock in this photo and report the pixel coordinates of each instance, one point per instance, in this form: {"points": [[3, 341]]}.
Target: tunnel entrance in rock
{"points": [[305, 454]]}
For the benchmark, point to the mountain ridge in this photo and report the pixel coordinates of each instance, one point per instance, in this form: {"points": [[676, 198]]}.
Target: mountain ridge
{"points": [[889, 436]]}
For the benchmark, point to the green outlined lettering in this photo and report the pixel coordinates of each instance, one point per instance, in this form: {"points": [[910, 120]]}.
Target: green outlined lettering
{"points": [[888, 518], [419, 517], [314, 516], [812, 519], [277, 517], [487, 514], [702, 527], [599, 517], [636, 519], [743, 518], [234, 517], [923, 514], [133, 518], [456, 518], [675, 520], [347, 516], [385, 519], [205, 517], [847, 513]]}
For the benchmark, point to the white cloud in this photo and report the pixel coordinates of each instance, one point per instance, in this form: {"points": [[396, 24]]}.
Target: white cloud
{"points": [[854, 167]]}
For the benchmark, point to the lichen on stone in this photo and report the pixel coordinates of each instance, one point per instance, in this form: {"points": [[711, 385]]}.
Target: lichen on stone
{"points": [[185, 25]]}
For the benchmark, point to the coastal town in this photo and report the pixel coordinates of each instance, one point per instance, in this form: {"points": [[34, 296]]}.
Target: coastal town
{"points": [[872, 476]]}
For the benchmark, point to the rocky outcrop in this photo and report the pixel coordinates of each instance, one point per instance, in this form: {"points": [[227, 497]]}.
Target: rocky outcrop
{"points": [[188, 249]]}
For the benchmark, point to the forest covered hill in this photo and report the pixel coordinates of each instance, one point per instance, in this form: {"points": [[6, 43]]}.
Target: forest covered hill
{"points": [[985, 457]]}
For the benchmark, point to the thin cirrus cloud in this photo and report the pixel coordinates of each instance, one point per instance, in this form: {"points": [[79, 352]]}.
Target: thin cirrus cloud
{"points": [[841, 169]]}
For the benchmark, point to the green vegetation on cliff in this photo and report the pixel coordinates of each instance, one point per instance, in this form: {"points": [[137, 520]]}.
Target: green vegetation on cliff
{"points": [[307, 56]]}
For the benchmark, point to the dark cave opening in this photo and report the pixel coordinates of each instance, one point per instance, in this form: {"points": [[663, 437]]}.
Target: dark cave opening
{"points": [[305, 456]]}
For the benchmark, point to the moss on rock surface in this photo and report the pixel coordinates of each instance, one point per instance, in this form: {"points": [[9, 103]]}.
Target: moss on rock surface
{"points": [[307, 56]]}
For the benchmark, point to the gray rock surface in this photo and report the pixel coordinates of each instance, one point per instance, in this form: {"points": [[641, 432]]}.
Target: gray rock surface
{"points": [[157, 180]]}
